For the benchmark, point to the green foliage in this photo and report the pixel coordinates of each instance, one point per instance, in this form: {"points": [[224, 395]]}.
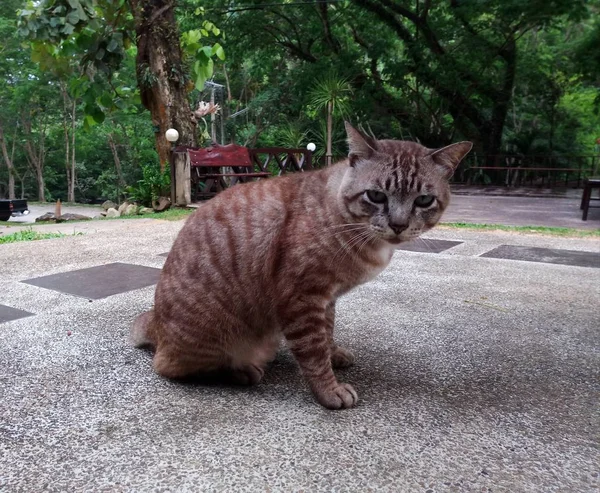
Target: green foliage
{"points": [[437, 82], [292, 136], [537, 230], [86, 42], [331, 89], [154, 183], [28, 235], [202, 55]]}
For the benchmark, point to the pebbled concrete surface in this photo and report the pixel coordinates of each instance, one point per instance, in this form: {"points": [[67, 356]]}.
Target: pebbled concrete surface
{"points": [[475, 374]]}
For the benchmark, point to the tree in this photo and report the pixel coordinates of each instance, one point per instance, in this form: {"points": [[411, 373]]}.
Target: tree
{"points": [[331, 93], [477, 89], [424, 70], [100, 32]]}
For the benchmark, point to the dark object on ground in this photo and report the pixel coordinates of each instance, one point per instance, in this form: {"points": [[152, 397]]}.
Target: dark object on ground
{"points": [[49, 217], [72, 217], [162, 204], [586, 198], [15, 207]]}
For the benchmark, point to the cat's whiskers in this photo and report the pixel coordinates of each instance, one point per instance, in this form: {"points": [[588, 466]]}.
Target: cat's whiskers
{"points": [[347, 246], [342, 228], [428, 244], [368, 239], [350, 228]]}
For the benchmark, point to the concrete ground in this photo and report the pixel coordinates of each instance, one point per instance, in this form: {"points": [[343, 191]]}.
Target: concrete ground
{"points": [[474, 374], [520, 211], [37, 210], [515, 207]]}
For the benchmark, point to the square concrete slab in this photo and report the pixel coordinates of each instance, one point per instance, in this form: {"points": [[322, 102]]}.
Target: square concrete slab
{"points": [[99, 282], [8, 313], [429, 246], [545, 255]]}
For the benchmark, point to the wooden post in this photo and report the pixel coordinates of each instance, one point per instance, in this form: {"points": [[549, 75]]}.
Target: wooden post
{"points": [[172, 173], [183, 190], [213, 125]]}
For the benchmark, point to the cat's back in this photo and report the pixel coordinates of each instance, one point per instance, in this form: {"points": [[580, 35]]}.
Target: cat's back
{"points": [[249, 206], [238, 234]]}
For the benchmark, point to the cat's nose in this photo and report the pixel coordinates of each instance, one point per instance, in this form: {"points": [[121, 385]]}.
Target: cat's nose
{"points": [[398, 228]]}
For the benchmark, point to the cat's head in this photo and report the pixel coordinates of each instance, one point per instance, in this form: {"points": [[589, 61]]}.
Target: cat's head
{"points": [[399, 188]]}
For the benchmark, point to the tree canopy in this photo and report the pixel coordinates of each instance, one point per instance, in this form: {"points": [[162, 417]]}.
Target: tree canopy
{"points": [[91, 85]]}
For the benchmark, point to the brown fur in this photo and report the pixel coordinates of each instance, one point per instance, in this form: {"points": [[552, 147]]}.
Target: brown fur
{"points": [[270, 258]]}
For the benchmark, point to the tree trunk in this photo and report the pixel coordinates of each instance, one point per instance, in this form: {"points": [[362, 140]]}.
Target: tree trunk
{"points": [[73, 115], [36, 156], [328, 157], [9, 164], [117, 160], [22, 180], [160, 73], [63, 90], [468, 103], [39, 175]]}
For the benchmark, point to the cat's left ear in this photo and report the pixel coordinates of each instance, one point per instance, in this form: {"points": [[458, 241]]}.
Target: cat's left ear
{"points": [[450, 156]]}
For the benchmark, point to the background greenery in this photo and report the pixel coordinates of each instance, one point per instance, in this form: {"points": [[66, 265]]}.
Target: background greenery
{"points": [[512, 76]]}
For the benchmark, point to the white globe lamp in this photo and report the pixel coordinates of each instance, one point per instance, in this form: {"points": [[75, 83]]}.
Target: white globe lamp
{"points": [[311, 147], [172, 135]]}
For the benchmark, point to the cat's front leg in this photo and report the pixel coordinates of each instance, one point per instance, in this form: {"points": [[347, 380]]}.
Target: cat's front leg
{"points": [[340, 357], [307, 337]]}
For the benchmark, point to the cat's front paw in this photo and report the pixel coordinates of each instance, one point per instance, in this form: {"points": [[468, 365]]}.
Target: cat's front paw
{"points": [[341, 358], [248, 375], [342, 396]]}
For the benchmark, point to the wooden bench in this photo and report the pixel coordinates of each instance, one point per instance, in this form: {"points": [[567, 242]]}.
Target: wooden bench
{"points": [[207, 165], [588, 185]]}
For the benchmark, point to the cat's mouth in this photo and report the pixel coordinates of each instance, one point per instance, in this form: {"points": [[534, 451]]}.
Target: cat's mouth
{"points": [[397, 240]]}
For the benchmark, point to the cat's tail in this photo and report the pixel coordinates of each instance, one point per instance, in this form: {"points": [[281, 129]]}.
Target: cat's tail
{"points": [[142, 332]]}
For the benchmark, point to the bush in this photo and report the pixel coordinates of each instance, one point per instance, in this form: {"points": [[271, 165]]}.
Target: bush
{"points": [[154, 183]]}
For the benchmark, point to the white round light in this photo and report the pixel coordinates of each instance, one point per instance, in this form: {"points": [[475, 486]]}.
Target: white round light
{"points": [[172, 135], [311, 147]]}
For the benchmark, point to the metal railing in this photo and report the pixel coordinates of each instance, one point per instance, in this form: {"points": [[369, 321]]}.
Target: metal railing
{"points": [[542, 170]]}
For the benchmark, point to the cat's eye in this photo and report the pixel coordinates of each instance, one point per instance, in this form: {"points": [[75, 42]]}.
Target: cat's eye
{"points": [[424, 200], [376, 196]]}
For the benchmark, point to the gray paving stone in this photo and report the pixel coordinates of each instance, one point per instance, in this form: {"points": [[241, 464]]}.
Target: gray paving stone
{"points": [[545, 255], [428, 245], [101, 281], [8, 313]]}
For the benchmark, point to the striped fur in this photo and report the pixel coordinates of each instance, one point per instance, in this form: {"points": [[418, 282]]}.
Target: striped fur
{"points": [[268, 259]]}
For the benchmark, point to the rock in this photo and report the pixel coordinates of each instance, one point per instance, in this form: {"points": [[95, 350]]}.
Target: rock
{"points": [[109, 204], [146, 210], [122, 207], [162, 204], [112, 212], [72, 217], [48, 217], [99, 216], [130, 210]]}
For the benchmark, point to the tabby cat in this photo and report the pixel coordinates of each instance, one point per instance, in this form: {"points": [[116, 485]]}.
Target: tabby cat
{"points": [[270, 258]]}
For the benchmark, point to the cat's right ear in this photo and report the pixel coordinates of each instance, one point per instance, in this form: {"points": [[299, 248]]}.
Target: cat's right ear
{"points": [[361, 146]]}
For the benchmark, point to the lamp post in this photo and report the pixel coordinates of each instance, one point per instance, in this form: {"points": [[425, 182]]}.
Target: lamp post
{"points": [[310, 147], [172, 136]]}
